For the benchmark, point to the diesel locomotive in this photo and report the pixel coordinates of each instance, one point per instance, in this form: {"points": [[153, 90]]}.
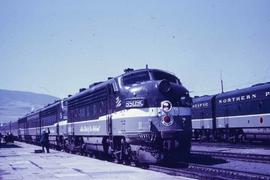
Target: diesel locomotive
{"points": [[142, 116], [234, 116]]}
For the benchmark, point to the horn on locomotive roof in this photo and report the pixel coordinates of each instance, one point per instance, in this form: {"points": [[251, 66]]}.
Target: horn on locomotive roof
{"points": [[110, 78], [69, 95], [128, 70], [146, 66]]}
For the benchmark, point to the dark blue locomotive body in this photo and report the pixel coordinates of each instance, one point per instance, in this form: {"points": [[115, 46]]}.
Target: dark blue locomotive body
{"points": [[237, 115], [142, 115], [203, 116]]}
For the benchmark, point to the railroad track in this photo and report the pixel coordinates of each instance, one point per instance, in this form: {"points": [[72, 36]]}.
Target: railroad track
{"points": [[206, 172], [264, 145], [260, 158]]}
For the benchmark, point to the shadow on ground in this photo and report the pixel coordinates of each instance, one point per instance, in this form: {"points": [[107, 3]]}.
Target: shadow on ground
{"points": [[195, 159], [205, 159], [9, 145]]}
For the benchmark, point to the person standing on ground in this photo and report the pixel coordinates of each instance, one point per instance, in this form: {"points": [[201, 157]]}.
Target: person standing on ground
{"points": [[44, 140]]}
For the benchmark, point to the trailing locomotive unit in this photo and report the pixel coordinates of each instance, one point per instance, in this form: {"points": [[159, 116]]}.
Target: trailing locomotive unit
{"points": [[235, 115], [203, 117], [53, 118], [142, 116], [33, 131]]}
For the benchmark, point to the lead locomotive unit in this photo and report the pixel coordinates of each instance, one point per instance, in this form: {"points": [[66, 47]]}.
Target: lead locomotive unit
{"points": [[142, 115]]}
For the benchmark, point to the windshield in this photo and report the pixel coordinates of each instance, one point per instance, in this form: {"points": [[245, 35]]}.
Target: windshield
{"points": [[136, 78], [158, 75]]}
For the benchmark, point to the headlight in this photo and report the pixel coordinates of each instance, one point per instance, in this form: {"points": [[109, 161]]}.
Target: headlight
{"points": [[166, 106]]}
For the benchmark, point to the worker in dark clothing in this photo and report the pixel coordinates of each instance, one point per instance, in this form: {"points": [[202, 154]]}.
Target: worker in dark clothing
{"points": [[44, 140]]}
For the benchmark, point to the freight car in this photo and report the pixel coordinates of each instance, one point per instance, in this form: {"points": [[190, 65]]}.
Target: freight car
{"points": [[233, 116]]}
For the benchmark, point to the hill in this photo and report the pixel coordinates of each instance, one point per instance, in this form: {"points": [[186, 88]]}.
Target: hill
{"points": [[15, 104]]}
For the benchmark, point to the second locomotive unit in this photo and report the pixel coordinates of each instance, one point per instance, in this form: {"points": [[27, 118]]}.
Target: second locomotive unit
{"points": [[238, 115], [142, 115]]}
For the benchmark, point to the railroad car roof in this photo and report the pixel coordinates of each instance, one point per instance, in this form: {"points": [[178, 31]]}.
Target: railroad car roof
{"points": [[237, 92], [202, 98], [91, 89], [33, 113], [57, 102]]}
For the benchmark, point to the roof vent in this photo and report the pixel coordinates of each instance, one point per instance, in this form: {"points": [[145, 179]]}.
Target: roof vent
{"points": [[82, 89], [128, 70]]}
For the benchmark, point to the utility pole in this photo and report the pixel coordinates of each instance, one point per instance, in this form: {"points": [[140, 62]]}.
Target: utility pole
{"points": [[221, 82]]}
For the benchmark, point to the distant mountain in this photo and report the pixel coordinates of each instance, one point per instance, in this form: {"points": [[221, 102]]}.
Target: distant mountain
{"points": [[15, 104]]}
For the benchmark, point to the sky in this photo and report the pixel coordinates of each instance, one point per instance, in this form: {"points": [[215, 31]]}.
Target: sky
{"points": [[57, 47]]}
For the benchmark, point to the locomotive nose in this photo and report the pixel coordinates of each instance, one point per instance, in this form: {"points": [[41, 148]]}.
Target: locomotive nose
{"points": [[164, 86]]}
